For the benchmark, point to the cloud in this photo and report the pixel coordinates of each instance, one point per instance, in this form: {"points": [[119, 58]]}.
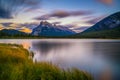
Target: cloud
{"points": [[43, 17], [56, 23], [5, 13], [106, 2], [60, 14], [95, 20], [25, 29], [1, 26], [63, 14], [17, 25], [21, 27], [10, 25], [6, 24], [10, 8], [80, 29], [30, 25]]}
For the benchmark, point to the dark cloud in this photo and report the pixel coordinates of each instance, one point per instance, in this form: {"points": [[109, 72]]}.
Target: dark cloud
{"points": [[56, 22], [63, 14], [60, 14], [6, 24], [5, 13], [19, 26], [9, 8], [30, 25], [43, 17]]}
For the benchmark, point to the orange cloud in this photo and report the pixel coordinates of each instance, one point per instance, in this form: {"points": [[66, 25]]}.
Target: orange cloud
{"points": [[24, 29], [107, 2], [1, 26]]}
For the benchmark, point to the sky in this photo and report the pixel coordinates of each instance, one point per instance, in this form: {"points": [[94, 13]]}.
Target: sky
{"points": [[77, 15]]}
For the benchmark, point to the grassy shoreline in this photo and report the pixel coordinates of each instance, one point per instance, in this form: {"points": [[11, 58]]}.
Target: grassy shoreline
{"points": [[55, 38], [15, 65]]}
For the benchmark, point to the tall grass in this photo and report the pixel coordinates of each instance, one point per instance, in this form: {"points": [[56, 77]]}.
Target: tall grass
{"points": [[15, 65]]}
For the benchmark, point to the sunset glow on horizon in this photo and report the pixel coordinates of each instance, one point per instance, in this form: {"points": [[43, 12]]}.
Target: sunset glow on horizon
{"points": [[24, 15]]}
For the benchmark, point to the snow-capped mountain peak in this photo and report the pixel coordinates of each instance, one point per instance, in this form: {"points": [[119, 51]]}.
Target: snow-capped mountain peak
{"points": [[47, 29]]}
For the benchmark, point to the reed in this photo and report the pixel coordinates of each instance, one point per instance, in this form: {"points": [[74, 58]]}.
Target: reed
{"points": [[15, 65]]}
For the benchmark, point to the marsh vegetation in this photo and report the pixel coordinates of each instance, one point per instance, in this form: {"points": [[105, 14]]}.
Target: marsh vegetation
{"points": [[15, 65]]}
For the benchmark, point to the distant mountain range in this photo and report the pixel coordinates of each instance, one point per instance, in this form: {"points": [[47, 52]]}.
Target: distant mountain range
{"points": [[47, 29], [109, 27], [106, 28], [11, 32]]}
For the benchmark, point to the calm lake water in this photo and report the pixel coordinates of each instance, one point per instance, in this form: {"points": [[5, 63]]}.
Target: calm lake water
{"points": [[99, 57]]}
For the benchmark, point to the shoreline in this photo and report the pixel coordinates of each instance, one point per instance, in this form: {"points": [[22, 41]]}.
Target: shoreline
{"points": [[17, 66]]}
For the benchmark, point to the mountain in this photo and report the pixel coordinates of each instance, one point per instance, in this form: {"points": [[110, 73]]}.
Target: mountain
{"points": [[108, 23], [112, 33], [11, 32], [109, 27], [47, 29]]}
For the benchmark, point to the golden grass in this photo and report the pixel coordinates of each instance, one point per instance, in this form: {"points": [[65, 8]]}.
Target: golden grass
{"points": [[15, 65]]}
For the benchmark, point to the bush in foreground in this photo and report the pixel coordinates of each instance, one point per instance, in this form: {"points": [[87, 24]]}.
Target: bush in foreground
{"points": [[14, 65]]}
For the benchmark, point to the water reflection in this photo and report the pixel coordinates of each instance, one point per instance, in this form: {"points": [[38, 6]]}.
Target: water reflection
{"points": [[44, 47], [99, 57], [71, 54]]}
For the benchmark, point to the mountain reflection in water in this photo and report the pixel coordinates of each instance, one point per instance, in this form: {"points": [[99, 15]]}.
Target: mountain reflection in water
{"points": [[44, 47], [99, 57]]}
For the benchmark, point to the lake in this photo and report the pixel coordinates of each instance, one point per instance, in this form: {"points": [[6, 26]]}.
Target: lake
{"points": [[100, 57]]}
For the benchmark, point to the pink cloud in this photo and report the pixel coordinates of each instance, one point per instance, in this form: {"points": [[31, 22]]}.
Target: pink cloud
{"points": [[63, 14], [96, 19], [106, 2]]}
